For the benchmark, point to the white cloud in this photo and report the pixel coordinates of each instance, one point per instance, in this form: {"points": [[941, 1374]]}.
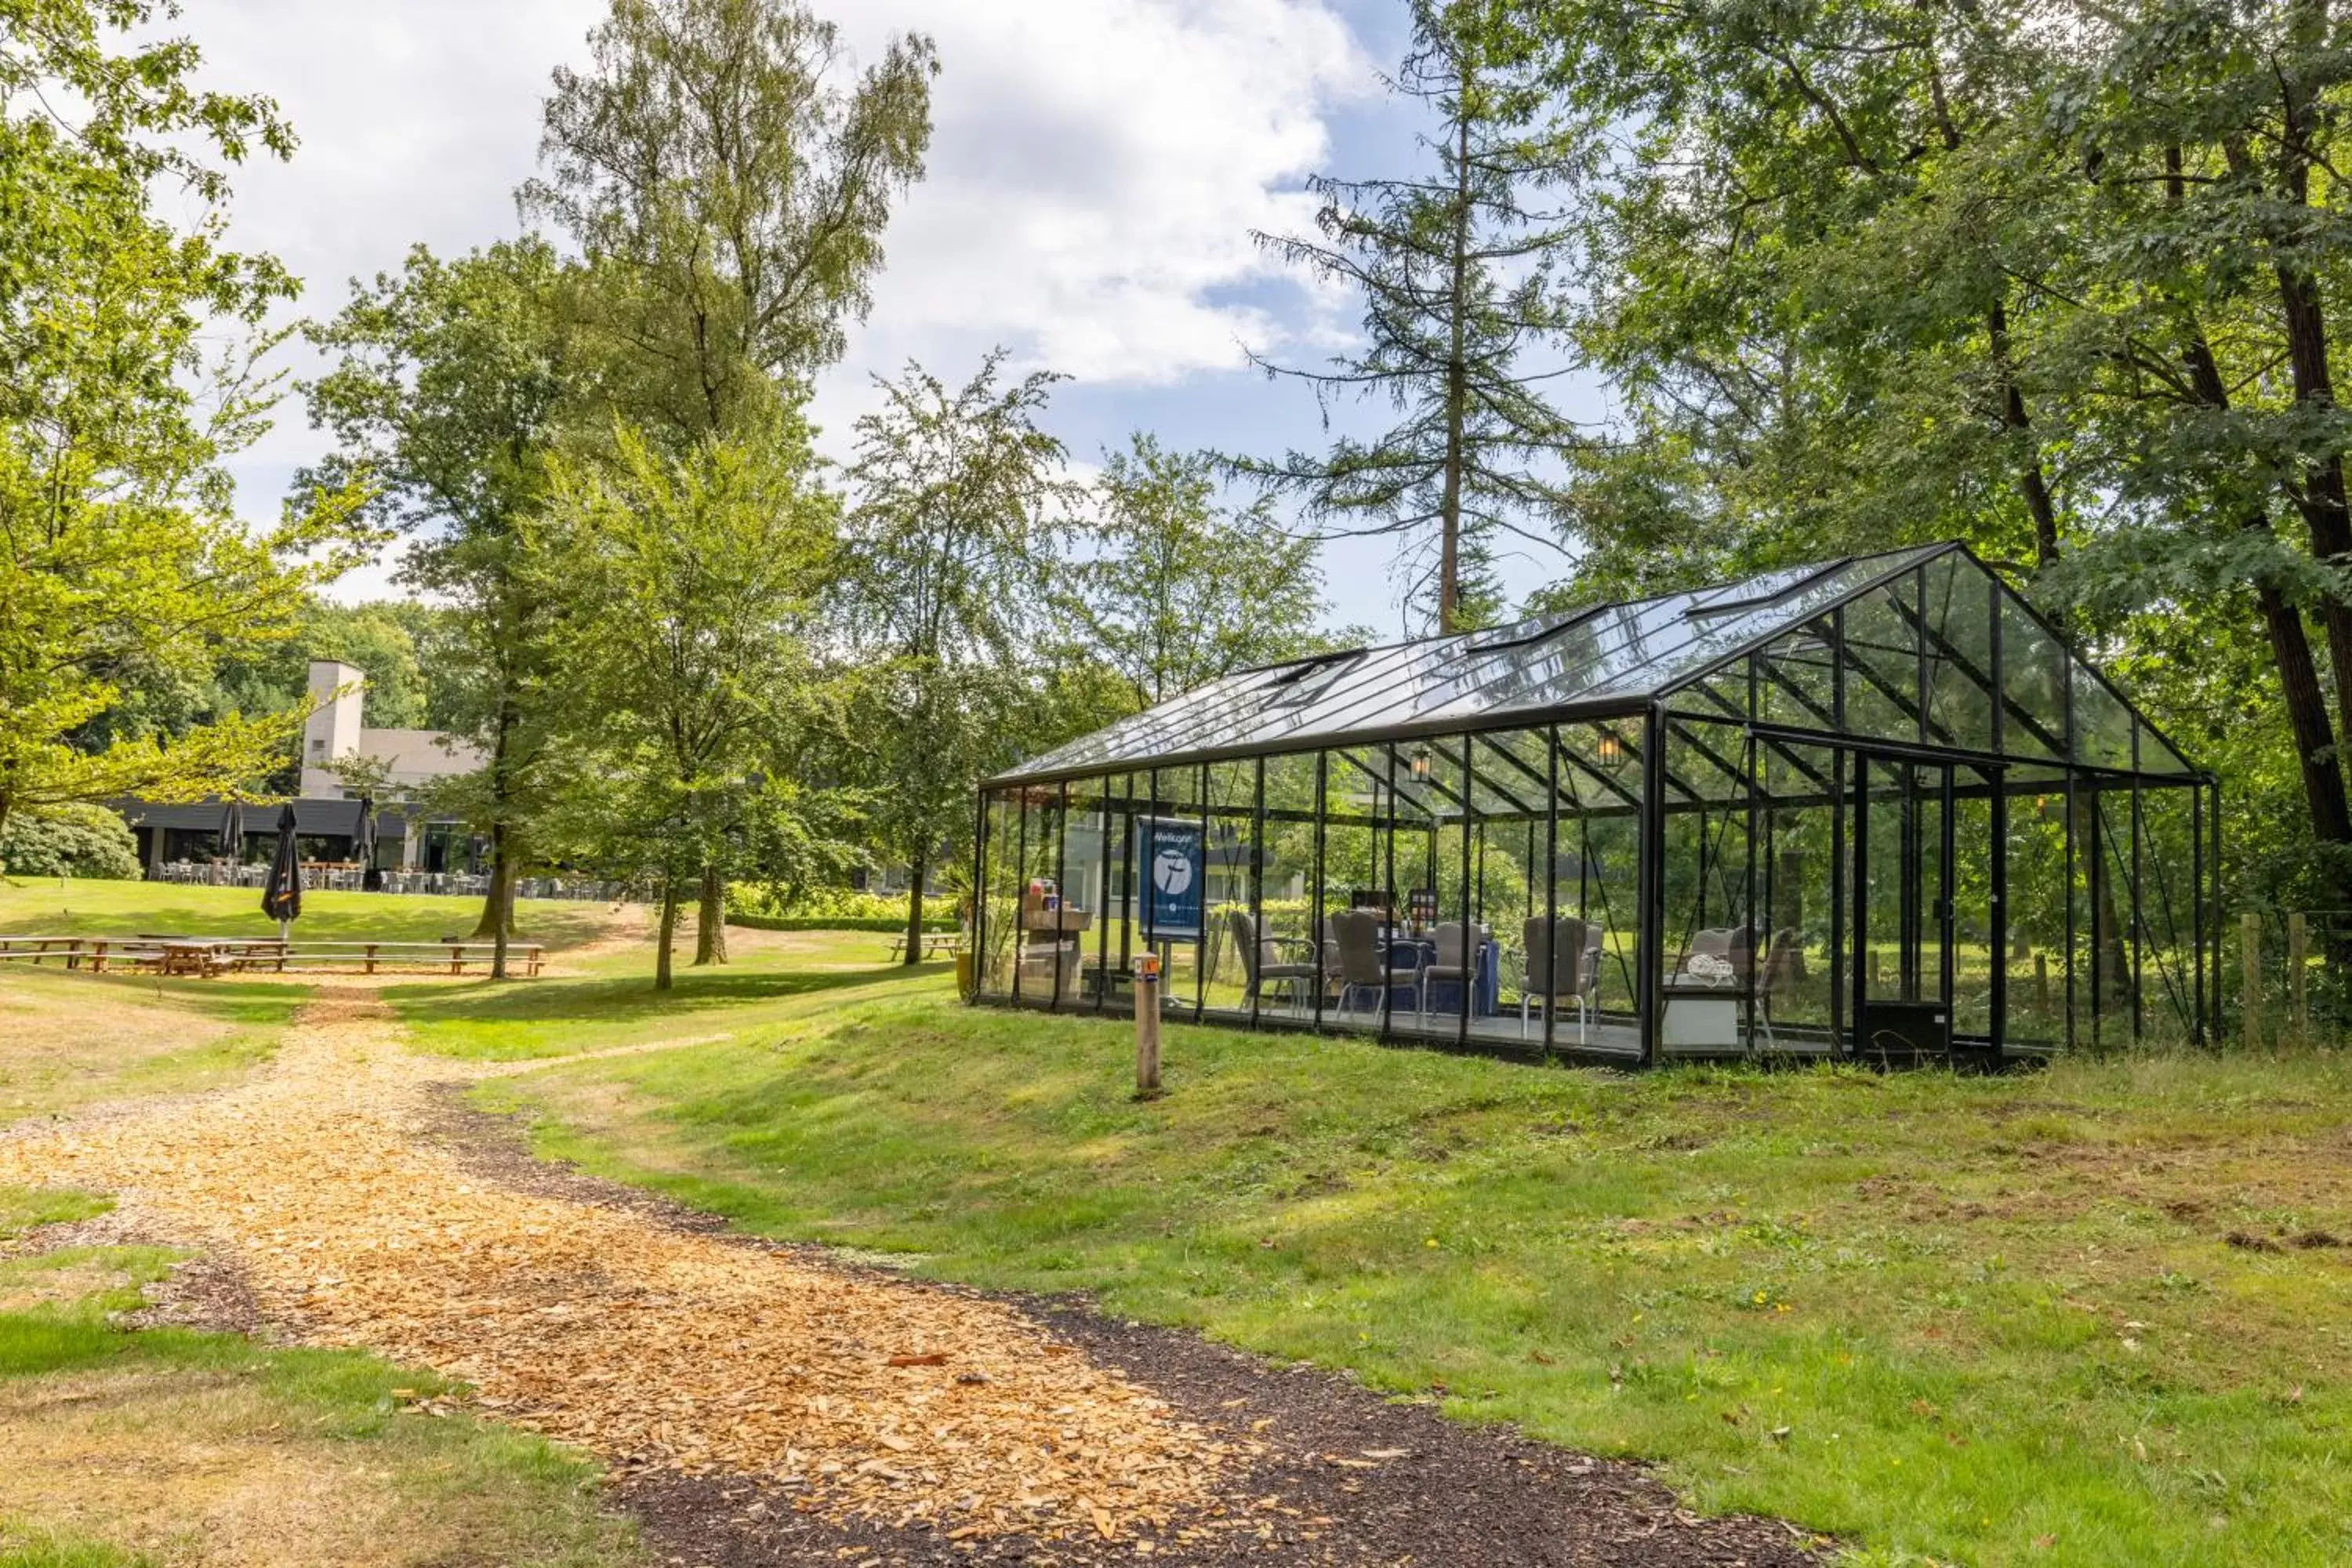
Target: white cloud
{"points": [[1096, 168]]}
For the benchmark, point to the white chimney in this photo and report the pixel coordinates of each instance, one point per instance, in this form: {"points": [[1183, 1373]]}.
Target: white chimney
{"points": [[337, 693]]}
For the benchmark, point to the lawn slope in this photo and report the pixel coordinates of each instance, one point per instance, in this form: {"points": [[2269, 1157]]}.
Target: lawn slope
{"points": [[2094, 1315]]}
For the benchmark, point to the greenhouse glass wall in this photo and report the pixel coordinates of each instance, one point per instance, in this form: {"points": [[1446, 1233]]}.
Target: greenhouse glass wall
{"points": [[1871, 808]]}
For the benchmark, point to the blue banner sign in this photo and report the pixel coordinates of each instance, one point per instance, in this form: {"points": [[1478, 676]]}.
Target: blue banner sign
{"points": [[1172, 876]]}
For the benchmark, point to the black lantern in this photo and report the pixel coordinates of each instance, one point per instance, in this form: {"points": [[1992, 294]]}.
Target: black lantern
{"points": [[1612, 750]]}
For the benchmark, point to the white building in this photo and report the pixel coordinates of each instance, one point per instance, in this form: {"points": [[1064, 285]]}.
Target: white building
{"points": [[412, 757]]}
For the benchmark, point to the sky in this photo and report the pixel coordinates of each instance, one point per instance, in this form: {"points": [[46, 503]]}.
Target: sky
{"points": [[1096, 167]]}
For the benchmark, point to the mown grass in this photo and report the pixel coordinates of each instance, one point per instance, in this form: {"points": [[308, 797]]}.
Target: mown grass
{"points": [[132, 1439], [71, 1039], [1979, 1319], [49, 906], [609, 1000]]}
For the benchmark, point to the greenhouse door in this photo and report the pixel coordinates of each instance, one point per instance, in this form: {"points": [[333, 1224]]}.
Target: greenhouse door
{"points": [[1902, 928]]}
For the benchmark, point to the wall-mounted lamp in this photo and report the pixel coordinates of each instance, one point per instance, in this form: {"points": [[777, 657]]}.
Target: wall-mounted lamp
{"points": [[1420, 764], [1611, 749]]}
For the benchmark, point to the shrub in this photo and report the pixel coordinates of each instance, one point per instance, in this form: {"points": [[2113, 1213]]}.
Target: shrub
{"points": [[69, 841], [892, 926], [840, 908]]}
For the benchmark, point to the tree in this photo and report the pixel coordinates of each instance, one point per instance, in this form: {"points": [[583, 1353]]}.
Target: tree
{"points": [[2053, 281], [451, 389], [1180, 590], [727, 192], [1454, 268], [730, 195], [121, 559], [687, 588], [959, 505]]}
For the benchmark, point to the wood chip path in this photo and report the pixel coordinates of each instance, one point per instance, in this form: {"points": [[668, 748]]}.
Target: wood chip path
{"points": [[879, 1399]]}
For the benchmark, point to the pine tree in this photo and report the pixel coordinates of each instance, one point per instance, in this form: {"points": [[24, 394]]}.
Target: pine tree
{"points": [[1454, 266]]}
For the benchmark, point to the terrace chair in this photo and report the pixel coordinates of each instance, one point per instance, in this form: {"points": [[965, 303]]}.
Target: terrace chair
{"points": [[1455, 959], [1563, 965], [1262, 960], [1363, 959], [1735, 945]]}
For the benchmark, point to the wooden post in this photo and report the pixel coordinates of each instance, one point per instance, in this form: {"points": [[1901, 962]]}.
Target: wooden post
{"points": [[1147, 1027], [2298, 975], [2041, 983], [2249, 952]]}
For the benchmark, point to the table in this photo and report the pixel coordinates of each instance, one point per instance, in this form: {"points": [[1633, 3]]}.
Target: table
{"points": [[1408, 951], [1700, 1014]]}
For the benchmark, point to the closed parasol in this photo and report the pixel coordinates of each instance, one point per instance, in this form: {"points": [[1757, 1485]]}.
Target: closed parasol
{"points": [[281, 896]]}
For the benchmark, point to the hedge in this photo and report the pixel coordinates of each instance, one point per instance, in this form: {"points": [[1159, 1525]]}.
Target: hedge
{"points": [[830, 922]]}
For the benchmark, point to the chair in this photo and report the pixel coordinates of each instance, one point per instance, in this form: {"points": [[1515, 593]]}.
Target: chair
{"points": [[1455, 959], [1260, 958], [1563, 965], [1735, 945], [1363, 959]]}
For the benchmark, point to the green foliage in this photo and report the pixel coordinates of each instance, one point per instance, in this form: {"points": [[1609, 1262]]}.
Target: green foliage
{"points": [[1179, 590], [69, 841], [893, 923], [948, 552], [823, 905], [686, 589], [2066, 285], [120, 554], [450, 388], [730, 194]]}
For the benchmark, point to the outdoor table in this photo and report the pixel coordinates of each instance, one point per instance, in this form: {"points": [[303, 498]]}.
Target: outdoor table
{"points": [[1408, 951], [1701, 1013]]}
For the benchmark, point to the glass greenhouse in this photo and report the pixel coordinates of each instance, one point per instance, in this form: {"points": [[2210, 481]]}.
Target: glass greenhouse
{"points": [[1871, 808]]}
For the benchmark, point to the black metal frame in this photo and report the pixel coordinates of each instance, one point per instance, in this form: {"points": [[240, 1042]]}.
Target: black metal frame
{"points": [[1750, 737]]}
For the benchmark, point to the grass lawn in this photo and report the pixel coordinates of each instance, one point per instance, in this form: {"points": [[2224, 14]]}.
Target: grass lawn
{"points": [[1991, 1320], [608, 1000], [70, 1039], [49, 906], [163, 1445]]}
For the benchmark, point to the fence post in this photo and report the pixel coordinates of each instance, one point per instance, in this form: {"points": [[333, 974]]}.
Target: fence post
{"points": [[2298, 975], [1147, 1027], [2249, 953]]}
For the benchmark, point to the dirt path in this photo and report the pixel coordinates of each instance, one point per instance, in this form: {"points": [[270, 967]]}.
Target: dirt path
{"points": [[764, 1404], [653, 1347]]}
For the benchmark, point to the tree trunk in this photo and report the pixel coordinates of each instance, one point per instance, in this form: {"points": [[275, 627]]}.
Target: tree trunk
{"points": [[1457, 395], [497, 906], [2323, 499], [669, 932], [2304, 323], [499, 911], [915, 912], [2307, 718], [710, 919], [2032, 482]]}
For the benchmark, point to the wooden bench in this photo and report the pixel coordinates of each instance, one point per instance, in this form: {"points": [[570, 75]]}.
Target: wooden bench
{"points": [[209, 956], [369, 956]]}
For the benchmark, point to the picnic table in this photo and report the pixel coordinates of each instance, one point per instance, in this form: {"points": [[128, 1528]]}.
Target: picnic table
{"points": [[935, 944]]}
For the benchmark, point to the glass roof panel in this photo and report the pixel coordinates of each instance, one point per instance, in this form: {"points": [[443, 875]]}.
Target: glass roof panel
{"points": [[1598, 659]]}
